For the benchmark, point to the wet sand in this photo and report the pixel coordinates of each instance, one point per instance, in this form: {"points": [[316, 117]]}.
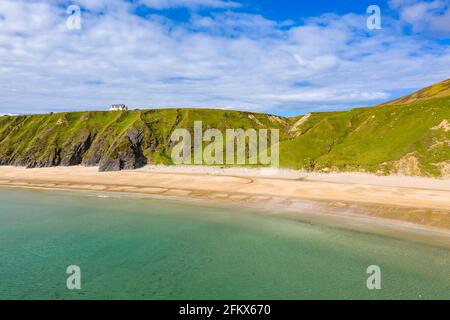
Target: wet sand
{"points": [[406, 202]]}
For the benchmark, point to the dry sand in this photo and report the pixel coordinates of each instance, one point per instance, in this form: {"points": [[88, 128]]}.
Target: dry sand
{"points": [[414, 201]]}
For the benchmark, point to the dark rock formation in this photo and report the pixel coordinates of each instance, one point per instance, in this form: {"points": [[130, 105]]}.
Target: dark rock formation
{"points": [[74, 151], [51, 160], [127, 154]]}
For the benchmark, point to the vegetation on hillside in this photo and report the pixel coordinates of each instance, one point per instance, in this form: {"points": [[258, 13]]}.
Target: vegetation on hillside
{"points": [[410, 136], [438, 90], [409, 139]]}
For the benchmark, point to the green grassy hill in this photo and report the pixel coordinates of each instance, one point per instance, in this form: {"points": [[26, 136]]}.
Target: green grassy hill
{"points": [[438, 90], [410, 136], [410, 139]]}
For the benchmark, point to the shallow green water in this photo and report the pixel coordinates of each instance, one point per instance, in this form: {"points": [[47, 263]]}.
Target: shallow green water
{"points": [[151, 249]]}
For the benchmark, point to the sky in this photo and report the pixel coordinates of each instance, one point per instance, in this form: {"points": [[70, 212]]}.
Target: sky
{"points": [[277, 56]]}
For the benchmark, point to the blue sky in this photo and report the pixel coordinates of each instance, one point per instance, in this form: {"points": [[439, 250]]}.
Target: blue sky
{"points": [[284, 57], [279, 10]]}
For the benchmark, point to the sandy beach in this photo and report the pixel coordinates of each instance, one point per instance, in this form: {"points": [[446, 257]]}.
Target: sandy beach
{"points": [[411, 201]]}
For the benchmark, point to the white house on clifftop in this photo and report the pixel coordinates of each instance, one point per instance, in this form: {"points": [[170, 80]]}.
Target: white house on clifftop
{"points": [[118, 107]]}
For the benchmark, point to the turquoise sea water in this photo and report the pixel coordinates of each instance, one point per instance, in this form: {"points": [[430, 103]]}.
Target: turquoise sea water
{"points": [[135, 248]]}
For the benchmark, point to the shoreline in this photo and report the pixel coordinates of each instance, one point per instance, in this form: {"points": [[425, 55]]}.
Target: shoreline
{"points": [[311, 211], [392, 204]]}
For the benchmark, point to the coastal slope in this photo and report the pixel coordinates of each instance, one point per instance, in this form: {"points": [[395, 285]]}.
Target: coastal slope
{"points": [[407, 136]]}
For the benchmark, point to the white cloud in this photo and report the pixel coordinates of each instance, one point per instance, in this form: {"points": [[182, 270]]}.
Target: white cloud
{"points": [[236, 24], [226, 60], [431, 17]]}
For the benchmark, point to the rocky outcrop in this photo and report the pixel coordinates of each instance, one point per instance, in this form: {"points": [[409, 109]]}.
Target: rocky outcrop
{"points": [[99, 147], [295, 129], [444, 125], [127, 154], [408, 165], [74, 151], [51, 159]]}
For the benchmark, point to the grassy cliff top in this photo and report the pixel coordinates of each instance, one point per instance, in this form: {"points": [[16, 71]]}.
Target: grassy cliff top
{"points": [[438, 90], [410, 136]]}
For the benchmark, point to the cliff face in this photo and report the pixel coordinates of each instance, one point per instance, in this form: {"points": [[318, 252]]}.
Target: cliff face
{"points": [[111, 140], [405, 138]]}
